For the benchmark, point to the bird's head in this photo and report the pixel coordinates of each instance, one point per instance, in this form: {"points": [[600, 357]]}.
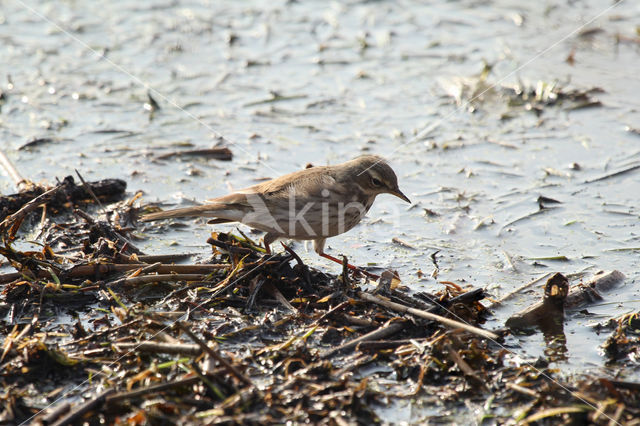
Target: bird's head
{"points": [[374, 175]]}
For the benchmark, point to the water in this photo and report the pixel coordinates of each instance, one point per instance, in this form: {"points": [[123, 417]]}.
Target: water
{"points": [[364, 77]]}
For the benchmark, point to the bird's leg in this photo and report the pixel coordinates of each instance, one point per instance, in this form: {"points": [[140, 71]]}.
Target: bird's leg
{"points": [[267, 240], [318, 247], [352, 267]]}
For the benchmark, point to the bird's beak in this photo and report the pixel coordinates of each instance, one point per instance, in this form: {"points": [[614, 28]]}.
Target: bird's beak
{"points": [[400, 195]]}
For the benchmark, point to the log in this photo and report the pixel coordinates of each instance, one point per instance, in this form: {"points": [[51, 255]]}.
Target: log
{"points": [[106, 190], [557, 297], [548, 312]]}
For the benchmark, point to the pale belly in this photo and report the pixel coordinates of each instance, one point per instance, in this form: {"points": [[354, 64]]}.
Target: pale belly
{"points": [[310, 221]]}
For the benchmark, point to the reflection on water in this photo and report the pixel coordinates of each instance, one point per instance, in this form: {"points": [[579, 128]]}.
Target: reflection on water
{"points": [[292, 83]]}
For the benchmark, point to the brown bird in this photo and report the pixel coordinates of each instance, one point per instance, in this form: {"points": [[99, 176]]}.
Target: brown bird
{"points": [[311, 204]]}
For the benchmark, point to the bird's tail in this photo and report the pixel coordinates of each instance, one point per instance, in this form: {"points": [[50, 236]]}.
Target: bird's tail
{"points": [[206, 210]]}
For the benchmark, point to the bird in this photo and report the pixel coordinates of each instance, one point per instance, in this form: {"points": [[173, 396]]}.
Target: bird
{"points": [[315, 203]]}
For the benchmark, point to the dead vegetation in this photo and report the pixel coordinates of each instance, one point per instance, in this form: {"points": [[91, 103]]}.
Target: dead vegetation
{"points": [[97, 331]]}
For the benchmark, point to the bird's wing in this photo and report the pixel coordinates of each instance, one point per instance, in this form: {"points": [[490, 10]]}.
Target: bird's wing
{"points": [[306, 183], [267, 205], [237, 199]]}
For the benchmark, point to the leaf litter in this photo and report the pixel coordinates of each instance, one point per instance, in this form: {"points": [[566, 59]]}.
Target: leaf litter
{"points": [[478, 93], [97, 331]]}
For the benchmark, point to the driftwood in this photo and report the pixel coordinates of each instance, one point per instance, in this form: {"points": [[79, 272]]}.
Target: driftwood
{"points": [[377, 345], [19, 214], [427, 315], [222, 154], [20, 182], [50, 416], [106, 190], [466, 369], [153, 278], [393, 326], [586, 294], [558, 297], [100, 269], [125, 396], [78, 412], [548, 313], [152, 258], [160, 347]]}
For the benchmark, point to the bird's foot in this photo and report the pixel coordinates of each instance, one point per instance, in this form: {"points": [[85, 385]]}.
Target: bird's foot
{"points": [[352, 267]]}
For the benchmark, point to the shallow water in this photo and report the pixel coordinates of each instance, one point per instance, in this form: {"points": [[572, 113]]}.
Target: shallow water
{"points": [[371, 77]]}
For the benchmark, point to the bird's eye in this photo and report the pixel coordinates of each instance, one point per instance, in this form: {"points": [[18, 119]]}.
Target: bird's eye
{"points": [[376, 182]]}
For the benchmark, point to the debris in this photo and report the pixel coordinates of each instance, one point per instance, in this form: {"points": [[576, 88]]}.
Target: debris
{"points": [[242, 337], [222, 154], [557, 297], [427, 315], [547, 314], [401, 243], [614, 174]]}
